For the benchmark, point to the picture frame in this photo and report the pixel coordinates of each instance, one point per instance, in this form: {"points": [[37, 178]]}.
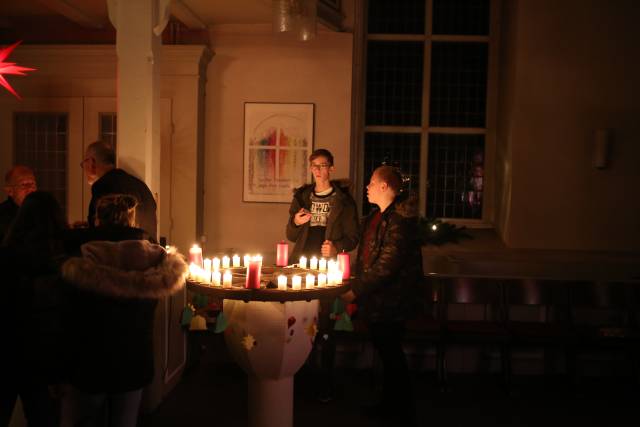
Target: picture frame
{"points": [[278, 139]]}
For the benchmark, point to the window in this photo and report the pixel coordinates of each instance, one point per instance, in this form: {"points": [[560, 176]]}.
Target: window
{"points": [[108, 128], [427, 102], [40, 141]]}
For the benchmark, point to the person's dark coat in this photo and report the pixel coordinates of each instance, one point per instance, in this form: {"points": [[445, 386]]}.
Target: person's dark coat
{"points": [[386, 284], [342, 224], [117, 181], [114, 289], [8, 212]]}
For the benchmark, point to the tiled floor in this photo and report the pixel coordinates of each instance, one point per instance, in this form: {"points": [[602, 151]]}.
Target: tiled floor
{"points": [[214, 393]]}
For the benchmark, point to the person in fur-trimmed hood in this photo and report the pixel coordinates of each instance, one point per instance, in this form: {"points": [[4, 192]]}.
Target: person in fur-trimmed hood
{"points": [[114, 290], [388, 272]]}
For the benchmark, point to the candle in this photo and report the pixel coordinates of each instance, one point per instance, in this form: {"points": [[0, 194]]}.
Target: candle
{"points": [[247, 258], [282, 282], [193, 271], [296, 282], [338, 277], [331, 278], [195, 255], [253, 273], [226, 279], [236, 261], [225, 262], [332, 265], [310, 281], [322, 280], [313, 263], [282, 254], [207, 270], [303, 262], [216, 264], [322, 264], [344, 265], [215, 278]]}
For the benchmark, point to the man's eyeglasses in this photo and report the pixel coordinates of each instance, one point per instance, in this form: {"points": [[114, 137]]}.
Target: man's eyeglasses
{"points": [[320, 166]]}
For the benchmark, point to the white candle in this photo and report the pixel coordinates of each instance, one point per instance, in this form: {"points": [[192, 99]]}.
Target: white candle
{"points": [[207, 270], [313, 263], [225, 262], [296, 282], [322, 280], [338, 277], [247, 259], [331, 278], [236, 261], [310, 281], [322, 264], [226, 279], [282, 282], [193, 271], [216, 264], [331, 265], [215, 278], [303, 262]]}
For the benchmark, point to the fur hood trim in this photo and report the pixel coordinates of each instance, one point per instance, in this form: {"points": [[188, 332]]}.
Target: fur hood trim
{"points": [[163, 276], [407, 205]]}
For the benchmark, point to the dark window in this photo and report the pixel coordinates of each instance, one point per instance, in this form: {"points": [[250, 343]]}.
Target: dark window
{"points": [[455, 176], [461, 17], [396, 17], [40, 142], [109, 128], [394, 83]]}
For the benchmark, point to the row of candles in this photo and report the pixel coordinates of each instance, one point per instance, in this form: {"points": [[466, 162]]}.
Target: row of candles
{"points": [[208, 270]]}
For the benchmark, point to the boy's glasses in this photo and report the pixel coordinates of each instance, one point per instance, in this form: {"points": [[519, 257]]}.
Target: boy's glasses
{"points": [[320, 166]]}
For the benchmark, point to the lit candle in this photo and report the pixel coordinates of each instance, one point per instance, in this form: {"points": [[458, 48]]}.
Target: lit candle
{"points": [[247, 258], [303, 262], [207, 270], [236, 261], [322, 264], [310, 281], [331, 278], [296, 282], [313, 263], [338, 277], [226, 279], [253, 273], [193, 271], [225, 262], [195, 255], [322, 280], [332, 265], [344, 265], [282, 254], [282, 282], [216, 264], [215, 278]]}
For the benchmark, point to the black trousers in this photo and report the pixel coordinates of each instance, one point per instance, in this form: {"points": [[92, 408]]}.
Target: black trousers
{"points": [[38, 405]]}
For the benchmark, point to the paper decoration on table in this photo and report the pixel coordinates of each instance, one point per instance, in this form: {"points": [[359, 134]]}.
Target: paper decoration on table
{"points": [[291, 321], [187, 315], [221, 323], [249, 342], [198, 323]]}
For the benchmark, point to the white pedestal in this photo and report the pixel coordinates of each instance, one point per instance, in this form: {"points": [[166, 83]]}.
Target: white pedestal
{"points": [[270, 341]]}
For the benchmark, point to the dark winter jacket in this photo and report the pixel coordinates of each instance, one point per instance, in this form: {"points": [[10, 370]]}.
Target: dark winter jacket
{"points": [[387, 284], [8, 212], [117, 181], [114, 291], [342, 224]]}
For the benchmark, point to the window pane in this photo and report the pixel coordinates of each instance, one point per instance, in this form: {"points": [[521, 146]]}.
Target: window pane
{"points": [[108, 128], [456, 175], [458, 84], [396, 17], [395, 149], [41, 143], [461, 17], [394, 83]]}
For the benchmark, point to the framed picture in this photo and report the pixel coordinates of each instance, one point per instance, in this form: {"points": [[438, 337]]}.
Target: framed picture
{"points": [[278, 139]]}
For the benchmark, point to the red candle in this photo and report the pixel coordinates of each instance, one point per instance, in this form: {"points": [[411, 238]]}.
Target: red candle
{"points": [[344, 265], [253, 273], [282, 254], [195, 255]]}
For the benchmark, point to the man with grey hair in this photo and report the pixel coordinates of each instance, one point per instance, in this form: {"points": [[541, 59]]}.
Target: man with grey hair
{"points": [[99, 166], [19, 182]]}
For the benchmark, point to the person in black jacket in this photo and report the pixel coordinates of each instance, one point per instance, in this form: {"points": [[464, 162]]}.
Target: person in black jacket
{"points": [[113, 289], [29, 322], [19, 182], [388, 272], [99, 165]]}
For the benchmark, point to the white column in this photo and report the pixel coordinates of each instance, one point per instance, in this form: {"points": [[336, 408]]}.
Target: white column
{"points": [[139, 24]]}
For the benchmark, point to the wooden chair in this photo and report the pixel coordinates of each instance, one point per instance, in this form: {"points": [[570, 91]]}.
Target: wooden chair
{"points": [[602, 317], [473, 315], [537, 314]]}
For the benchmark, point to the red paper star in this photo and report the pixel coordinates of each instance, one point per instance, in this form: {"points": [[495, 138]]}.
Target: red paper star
{"points": [[10, 68]]}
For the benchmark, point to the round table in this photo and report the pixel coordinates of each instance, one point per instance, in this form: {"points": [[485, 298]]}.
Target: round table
{"points": [[270, 334]]}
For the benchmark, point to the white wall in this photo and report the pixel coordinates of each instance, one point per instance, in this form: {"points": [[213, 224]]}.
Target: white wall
{"points": [[251, 64]]}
